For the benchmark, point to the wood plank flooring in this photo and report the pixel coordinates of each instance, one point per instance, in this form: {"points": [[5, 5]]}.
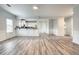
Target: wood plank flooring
{"points": [[45, 45]]}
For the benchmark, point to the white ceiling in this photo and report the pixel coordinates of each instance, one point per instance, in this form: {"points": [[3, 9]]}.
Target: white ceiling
{"points": [[44, 11]]}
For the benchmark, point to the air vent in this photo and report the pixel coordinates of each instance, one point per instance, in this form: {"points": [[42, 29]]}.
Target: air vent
{"points": [[8, 5], [22, 19]]}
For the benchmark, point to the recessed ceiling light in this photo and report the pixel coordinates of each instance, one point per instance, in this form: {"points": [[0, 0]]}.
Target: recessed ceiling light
{"points": [[35, 7]]}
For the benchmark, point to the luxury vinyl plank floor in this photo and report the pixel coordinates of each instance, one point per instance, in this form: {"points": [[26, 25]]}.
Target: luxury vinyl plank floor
{"points": [[46, 45]]}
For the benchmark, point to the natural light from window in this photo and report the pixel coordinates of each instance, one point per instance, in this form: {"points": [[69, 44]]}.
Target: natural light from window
{"points": [[9, 25]]}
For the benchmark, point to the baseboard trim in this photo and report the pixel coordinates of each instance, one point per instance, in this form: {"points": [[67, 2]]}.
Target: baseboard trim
{"points": [[75, 43], [7, 39]]}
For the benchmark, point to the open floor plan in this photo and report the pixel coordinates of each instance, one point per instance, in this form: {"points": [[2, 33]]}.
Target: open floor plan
{"points": [[39, 29], [39, 46]]}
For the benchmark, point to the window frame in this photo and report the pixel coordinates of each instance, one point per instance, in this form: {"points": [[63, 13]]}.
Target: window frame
{"points": [[9, 25]]}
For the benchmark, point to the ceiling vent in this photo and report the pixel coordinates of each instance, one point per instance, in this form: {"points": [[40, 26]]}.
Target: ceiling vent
{"points": [[22, 19], [8, 5]]}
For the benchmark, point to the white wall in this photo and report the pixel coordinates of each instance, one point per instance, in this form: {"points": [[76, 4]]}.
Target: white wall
{"points": [[2, 29], [69, 25], [53, 26], [50, 26], [56, 26], [43, 26], [61, 26], [3, 16], [76, 25]]}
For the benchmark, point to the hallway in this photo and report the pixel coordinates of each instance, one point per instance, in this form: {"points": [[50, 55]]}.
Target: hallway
{"points": [[46, 45]]}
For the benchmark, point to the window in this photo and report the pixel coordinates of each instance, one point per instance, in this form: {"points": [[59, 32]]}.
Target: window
{"points": [[9, 25]]}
